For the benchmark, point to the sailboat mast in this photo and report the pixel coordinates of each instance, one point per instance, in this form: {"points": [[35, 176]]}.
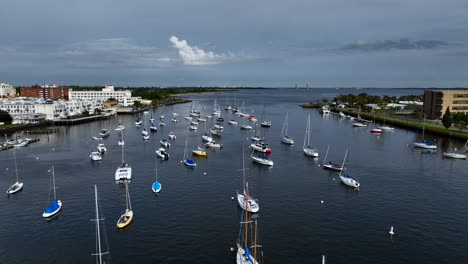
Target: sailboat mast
{"points": [[286, 132], [344, 160], [326, 155], [53, 181], [308, 131], [99, 253], [123, 160], [255, 241], [156, 166], [16, 167]]}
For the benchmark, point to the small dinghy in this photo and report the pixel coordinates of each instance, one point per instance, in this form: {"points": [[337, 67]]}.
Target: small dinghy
{"points": [[95, 156], [172, 136], [213, 144], [165, 143], [101, 148]]}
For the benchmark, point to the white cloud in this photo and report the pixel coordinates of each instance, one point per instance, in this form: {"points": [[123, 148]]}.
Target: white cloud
{"points": [[192, 55]]}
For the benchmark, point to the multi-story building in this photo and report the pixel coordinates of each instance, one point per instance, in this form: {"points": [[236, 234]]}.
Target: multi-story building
{"points": [[123, 97], [7, 90], [21, 110], [51, 92], [436, 102]]}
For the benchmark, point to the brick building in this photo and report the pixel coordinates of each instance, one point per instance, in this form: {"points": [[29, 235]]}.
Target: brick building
{"points": [[52, 92]]}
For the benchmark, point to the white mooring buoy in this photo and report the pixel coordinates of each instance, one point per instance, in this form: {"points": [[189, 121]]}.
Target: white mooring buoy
{"points": [[391, 231]]}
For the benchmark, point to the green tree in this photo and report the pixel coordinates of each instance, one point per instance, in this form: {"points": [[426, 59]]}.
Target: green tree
{"points": [[447, 118], [97, 111], [85, 113], [324, 100]]}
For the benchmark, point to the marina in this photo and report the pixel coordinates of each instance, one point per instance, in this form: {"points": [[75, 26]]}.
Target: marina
{"points": [[306, 213]]}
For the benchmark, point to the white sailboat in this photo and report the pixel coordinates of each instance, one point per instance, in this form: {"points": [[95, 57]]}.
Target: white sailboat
{"points": [[121, 141], [156, 186], [245, 200], [284, 133], [308, 150], [127, 217], [95, 156], [330, 165], [425, 144], [17, 186], [124, 172], [261, 159], [101, 148], [56, 205], [345, 177], [99, 254]]}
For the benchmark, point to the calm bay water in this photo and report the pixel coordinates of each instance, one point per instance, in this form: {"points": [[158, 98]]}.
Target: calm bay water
{"points": [[193, 220]]}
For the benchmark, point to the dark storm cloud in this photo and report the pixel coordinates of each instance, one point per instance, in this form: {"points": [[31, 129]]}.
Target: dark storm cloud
{"points": [[389, 45]]}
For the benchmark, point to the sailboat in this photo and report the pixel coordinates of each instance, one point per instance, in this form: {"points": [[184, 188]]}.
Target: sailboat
{"points": [[56, 205], [452, 154], [156, 187], [261, 159], [186, 160], [123, 172], [346, 178], [256, 136], [309, 151], [244, 198], [127, 217], [425, 144], [376, 130], [17, 186], [244, 255], [99, 254], [330, 165], [284, 133], [144, 132], [199, 152], [385, 127]]}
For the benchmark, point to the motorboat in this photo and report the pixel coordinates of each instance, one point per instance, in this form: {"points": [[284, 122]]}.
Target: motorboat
{"points": [[213, 144], [193, 127], [153, 128], [246, 127], [162, 153], [172, 136], [324, 110], [165, 143], [101, 148], [376, 131], [266, 124], [95, 156], [233, 122], [123, 172]]}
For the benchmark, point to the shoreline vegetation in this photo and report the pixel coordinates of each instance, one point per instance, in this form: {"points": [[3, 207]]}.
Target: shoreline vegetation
{"points": [[411, 117]]}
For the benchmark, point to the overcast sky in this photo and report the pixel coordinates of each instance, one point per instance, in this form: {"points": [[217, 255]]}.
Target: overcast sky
{"points": [[324, 43]]}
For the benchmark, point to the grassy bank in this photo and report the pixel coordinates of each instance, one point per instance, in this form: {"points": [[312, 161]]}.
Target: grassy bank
{"points": [[435, 129]]}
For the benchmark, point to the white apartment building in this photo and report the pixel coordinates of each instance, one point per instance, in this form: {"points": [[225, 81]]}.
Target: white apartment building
{"points": [[123, 97], [7, 90], [21, 110]]}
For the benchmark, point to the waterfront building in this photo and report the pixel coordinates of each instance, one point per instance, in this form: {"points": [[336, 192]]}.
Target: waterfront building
{"points": [[124, 98], [7, 90], [25, 110], [437, 101], [47, 92]]}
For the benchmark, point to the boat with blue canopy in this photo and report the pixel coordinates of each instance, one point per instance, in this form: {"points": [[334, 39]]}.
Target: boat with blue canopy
{"points": [[56, 205]]}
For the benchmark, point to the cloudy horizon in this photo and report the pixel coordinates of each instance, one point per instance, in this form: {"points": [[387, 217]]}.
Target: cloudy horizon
{"points": [[335, 43]]}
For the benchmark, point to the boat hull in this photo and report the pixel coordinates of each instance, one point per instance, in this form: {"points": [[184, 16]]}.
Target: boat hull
{"points": [[252, 206], [16, 187], [123, 173], [259, 160], [311, 152], [350, 182], [453, 155], [287, 140], [125, 219], [50, 214], [332, 167], [241, 257], [156, 187], [199, 153], [424, 145]]}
